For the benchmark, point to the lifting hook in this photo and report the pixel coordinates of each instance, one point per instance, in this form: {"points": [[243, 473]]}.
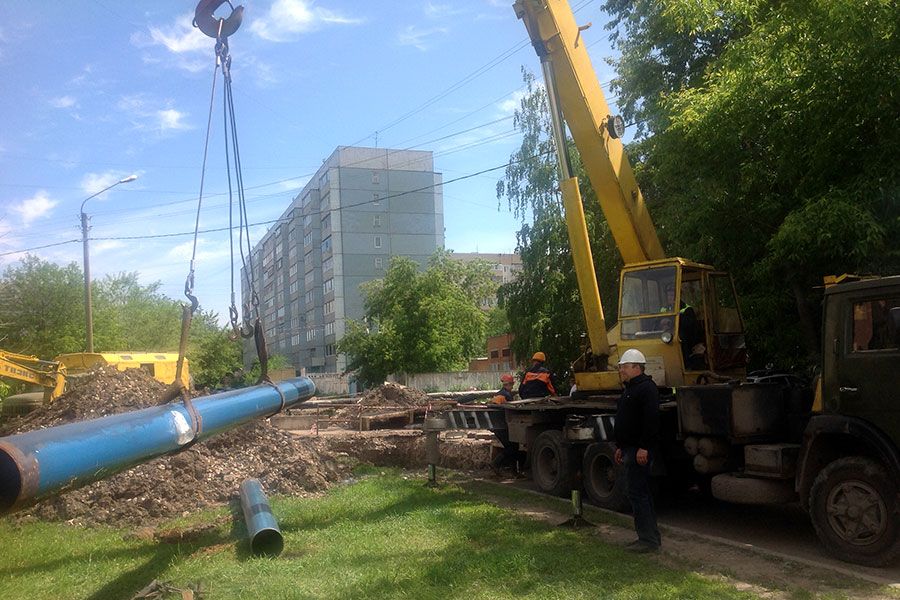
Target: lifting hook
{"points": [[215, 27]]}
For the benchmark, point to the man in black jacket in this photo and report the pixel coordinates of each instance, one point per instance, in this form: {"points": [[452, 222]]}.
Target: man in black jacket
{"points": [[637, 437]]}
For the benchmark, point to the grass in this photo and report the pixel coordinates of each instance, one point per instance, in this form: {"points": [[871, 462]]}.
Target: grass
{"points": [[386, 536]]}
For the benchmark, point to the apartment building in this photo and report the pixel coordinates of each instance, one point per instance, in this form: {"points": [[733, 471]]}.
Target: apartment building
{"points": [[362, 207]]}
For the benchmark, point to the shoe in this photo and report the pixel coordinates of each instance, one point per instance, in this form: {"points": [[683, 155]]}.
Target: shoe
{"points": [[641, 547]]}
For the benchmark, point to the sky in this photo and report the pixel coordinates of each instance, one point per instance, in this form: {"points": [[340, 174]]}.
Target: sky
{"points": [[96, 91]]}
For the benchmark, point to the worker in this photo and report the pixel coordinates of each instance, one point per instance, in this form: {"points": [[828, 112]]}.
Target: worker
{"points": [[537, 383], [505, 393], [690, 332], [637, 435]]}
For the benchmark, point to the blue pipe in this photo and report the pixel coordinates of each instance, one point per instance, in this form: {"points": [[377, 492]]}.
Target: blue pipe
{"points": [[265, 536], [40, 463]]}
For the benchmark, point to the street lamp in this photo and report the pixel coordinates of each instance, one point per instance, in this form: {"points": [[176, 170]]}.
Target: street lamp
{"points": [[88, 316]]}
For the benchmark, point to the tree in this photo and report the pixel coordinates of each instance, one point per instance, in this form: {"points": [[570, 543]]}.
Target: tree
{"points": [[543, 303], [774, 153], [418, 322], [42, 308]]}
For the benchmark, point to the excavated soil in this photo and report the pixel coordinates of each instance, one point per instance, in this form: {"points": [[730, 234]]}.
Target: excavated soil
{"points": [[393, 394], [209, 472]]}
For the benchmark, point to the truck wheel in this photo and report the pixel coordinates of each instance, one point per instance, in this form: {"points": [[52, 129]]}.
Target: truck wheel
{"points": [[853, 506], [740, 489], [604, 480], [21, 404], [552, 463]]}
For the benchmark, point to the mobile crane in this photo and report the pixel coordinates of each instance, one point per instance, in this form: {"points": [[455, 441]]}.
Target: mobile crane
{"points": [[757, 440]]}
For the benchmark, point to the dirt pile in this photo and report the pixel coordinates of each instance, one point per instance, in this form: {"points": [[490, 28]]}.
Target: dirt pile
{"points": [[393, 394], [207, 473]]}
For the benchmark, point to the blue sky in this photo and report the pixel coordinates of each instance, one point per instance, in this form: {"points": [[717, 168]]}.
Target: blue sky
{"points": [[96, 91]]}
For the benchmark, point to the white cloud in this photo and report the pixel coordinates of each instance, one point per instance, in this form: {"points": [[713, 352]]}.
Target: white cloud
{"points": [[171, 119], [189, 48], [63, 102], [146, 114], [38, 206], [513, 103], [419, 38], [179, 38], [92, 183], [441, 11], [206, 251], [287, 19], [104, 245]]}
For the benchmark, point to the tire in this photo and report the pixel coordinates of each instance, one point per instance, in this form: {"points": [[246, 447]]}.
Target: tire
{"points": [[604, 480], [552, 463], [732, 487], [853, 507]]}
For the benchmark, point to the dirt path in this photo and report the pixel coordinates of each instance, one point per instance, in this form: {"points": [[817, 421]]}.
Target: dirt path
{"points": [[763, 574]]}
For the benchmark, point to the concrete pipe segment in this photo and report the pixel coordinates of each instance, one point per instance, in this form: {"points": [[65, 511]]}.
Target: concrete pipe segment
{"points": [[41, 463]]}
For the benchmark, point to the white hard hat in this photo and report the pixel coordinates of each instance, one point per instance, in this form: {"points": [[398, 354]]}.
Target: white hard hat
{"points": [[633, 356]]}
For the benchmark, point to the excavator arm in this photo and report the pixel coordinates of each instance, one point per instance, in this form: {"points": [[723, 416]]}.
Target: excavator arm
{"points": [[30, 369]]}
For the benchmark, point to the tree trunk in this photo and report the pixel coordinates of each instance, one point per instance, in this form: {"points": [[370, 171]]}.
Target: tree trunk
{"points": [[807, 323]]}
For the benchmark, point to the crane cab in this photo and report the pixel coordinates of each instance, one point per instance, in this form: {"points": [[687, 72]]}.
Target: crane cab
{"points": [[684, 316]]}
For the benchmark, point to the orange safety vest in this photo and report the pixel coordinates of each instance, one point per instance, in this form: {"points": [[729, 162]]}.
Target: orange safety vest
{"points": [[544, 376]]}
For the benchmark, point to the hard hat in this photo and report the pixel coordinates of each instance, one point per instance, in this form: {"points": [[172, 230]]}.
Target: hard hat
{"points": [[507, 378], [539, 356], [633, 356]]}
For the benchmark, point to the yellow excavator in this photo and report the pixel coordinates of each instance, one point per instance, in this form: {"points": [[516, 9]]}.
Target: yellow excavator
{"points": [[50, 375], [683, 315]]}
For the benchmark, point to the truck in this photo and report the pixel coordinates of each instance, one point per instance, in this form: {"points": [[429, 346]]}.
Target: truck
{"points": [[760, 438]]}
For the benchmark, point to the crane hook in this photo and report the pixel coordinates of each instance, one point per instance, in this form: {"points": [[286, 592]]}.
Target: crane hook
{"points": [[205, 21]]}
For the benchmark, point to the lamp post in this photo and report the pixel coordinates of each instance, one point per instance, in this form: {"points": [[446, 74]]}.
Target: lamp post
{"points": [[88, 314]]}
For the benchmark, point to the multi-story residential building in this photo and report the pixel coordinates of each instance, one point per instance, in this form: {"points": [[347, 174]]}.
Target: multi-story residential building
{"points": [[362, 207], [504, 268]]}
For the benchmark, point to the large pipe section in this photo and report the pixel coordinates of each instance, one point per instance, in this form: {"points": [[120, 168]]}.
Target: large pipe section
{"points": [[40, 463], [262, 528]]}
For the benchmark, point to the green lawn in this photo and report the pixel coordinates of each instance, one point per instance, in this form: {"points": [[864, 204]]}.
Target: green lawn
{"points": [[386, 536]]}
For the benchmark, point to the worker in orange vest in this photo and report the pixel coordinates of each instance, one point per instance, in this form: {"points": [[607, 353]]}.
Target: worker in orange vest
{"points": [[537, 383], [505, 393]]}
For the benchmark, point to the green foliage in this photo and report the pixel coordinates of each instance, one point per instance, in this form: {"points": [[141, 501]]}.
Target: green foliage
{"points": [[42, 308], [43, 314], [543, 303], [497, 322], [419, 322], [276, 361], [216, 357], [774, 147]]}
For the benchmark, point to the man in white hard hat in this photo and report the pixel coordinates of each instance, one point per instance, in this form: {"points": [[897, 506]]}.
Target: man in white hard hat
{"points": [[637, 437]]}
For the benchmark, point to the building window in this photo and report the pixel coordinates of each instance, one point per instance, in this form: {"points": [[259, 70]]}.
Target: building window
{"points": [[280, 312], [295, 324], [310, 334], [307, 239], [378, 241], [376, 177], [376, 221], [279, 264], [376, 199], [327, 264], [310, 316], [495, 354], [329, 307], [504, 352], [295, 340], [309, 297], [326, 244], [323, 180], [326, 221], [308, 279], [329, 328], [293, 270], [307, 220], [379, 262], [294, 287], [327, 285], [329, 350]]}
